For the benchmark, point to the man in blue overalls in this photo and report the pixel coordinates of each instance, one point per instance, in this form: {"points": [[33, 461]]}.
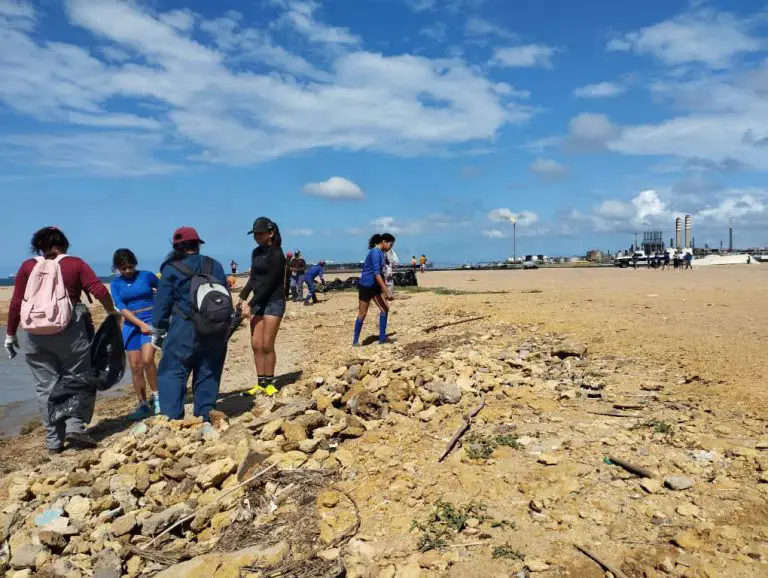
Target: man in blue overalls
{"points": [[309, 278], [184, 349]]}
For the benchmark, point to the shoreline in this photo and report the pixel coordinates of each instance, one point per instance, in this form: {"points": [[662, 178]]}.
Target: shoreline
{"points": [[554, 356]]}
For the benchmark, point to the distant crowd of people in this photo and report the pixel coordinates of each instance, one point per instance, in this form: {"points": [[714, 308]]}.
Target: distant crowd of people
{"points": [[185, 310], [664, 261]]}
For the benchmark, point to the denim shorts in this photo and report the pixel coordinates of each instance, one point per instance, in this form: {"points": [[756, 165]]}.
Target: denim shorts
{"points": [[274, 308]]}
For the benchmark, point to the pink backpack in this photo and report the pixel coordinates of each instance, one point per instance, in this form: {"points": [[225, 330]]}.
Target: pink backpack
{"points": [[46, 309]]}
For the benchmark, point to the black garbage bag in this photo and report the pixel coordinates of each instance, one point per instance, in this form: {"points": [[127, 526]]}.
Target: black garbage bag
{"points": [[108, 354], [235, 321], [406, 278], [73, 396]]}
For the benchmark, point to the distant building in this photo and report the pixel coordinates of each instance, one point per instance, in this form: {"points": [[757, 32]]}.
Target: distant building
{"points": [[594, 256]]}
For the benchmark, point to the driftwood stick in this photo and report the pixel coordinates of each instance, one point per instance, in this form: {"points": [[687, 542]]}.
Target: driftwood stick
{"points": [[628, 406], [462, 430], [602, 563], [221, 497], [631, 468], [452, 323], [614, 414]]}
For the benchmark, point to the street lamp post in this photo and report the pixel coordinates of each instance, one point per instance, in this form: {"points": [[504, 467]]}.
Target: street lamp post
{"points": [[514, 240]]}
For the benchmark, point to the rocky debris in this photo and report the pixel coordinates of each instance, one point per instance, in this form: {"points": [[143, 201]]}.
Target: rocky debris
{"points": [[229, 564], [678, 482], [567, 349], [26, 556], [52, 540], [154, 524], [651, 485], [214, 474], [123, 525], [378, 424]]}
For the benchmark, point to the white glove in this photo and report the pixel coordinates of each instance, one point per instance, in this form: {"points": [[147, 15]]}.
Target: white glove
{"points": [[11, 345]]}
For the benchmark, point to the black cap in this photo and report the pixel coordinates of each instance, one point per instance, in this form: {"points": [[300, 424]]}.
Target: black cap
{"points": [[261, 225]]}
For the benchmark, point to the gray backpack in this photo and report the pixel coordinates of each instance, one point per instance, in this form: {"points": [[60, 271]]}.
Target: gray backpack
{"points": [[212, 307]]}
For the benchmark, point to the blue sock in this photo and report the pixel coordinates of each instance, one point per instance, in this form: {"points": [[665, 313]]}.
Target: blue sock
{"points": [[358, 329], [383, 327]]}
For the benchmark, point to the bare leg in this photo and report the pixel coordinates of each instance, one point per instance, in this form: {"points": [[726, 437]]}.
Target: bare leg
{"points": [[137, 374], [381, 303], [150, 369], [362, 310], [257, 339], [270, 325]]}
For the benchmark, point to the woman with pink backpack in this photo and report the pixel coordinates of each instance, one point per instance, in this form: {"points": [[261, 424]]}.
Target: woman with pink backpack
{"points": [[46, 304]]}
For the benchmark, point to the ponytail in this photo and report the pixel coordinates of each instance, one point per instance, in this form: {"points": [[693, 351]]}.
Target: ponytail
{"points": [[374, 240], [277, 238]]}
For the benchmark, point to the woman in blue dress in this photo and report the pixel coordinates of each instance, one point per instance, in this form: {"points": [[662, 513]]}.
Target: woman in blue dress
{"points": [[373, 287], [133, 292]]}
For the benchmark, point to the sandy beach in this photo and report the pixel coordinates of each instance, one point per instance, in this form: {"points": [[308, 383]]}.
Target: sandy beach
{"points": [[679, 357]]}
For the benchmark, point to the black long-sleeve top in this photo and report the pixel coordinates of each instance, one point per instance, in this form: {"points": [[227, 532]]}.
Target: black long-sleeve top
{"points": [[267, 274]]}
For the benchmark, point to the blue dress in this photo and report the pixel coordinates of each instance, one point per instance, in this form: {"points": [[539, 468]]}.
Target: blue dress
{"points": [[137, 296]]}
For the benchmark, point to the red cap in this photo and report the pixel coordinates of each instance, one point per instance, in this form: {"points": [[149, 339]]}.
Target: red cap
{"points": [[183, 234]]}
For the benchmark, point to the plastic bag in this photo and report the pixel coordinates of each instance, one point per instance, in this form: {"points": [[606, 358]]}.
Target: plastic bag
{"points": [[108, 354], [73, 396]]}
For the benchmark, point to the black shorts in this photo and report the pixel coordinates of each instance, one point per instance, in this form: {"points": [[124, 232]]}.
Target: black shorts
{"points": [[368, 293]]}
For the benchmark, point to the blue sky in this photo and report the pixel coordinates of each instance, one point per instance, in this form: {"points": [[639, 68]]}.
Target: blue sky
{"points": [[438, 120]]}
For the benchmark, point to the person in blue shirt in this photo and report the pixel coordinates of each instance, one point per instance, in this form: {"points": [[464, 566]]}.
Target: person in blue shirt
{"points": [[313, 273], [133, 292], [185, 350], [372, 286]]}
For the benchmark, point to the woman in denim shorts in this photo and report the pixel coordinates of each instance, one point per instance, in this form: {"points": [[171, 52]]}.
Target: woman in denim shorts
{"points": [[267, 303]]}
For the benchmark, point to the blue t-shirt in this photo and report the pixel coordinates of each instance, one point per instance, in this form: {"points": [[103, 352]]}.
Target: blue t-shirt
{"points": [[373, 265], [134, 294], [314, 272]]}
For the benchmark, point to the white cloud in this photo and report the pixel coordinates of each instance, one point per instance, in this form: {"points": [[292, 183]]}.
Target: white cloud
{"points": [[421, 5], [108, 154], [707, 37], [300, 15], [710, 208], [182, 20], [337, 188], [589, 132], [549, 169], [114, 54], [527, 56], [17, 9], [454, 6], [437, 32], [523, 218], [299, 232], [231, 94], [599, 90], [480, 27], [494, 234]]}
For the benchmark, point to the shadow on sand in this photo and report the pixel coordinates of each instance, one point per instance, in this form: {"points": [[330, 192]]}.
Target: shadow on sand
{"points": [[232, 403]]}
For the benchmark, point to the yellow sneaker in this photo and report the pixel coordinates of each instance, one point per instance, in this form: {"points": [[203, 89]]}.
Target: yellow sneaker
{"points": [[270, 390], [255, 390]]}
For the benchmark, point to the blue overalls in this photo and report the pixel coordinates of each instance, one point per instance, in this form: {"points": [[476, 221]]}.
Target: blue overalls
{"points": [[184, 350], [309, 278]]}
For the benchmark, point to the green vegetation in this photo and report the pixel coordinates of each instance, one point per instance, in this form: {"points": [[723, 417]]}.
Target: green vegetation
{"points": [[660, 427], [507, 552], [444, 521], [508, 440], [480, 447]]}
